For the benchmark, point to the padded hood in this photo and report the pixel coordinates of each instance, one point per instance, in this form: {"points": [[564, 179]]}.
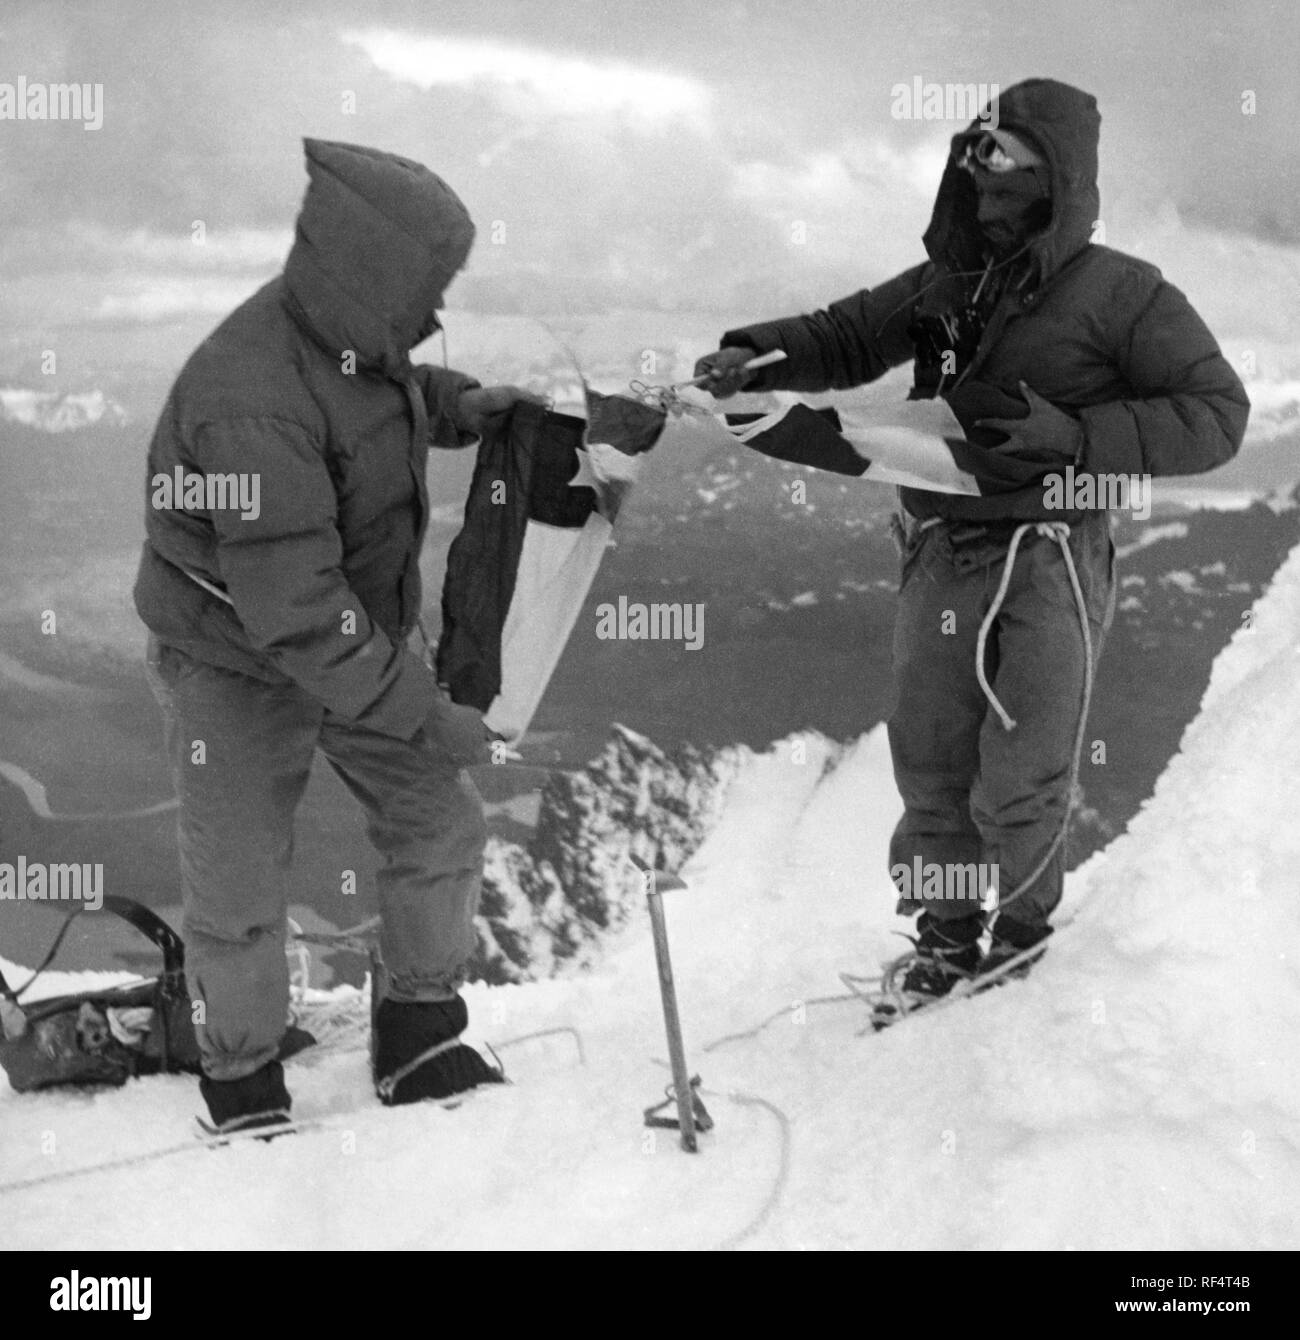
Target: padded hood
{"points": [[1063, 124], [378, 240]]}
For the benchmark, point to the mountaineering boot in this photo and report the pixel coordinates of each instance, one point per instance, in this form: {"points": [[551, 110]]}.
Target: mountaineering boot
{"points": [[947, 950], [250, 1103], [1011, 939], [417, 1052]]}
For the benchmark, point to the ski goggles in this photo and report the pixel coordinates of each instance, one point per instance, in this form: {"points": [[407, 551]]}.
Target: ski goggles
{"points": [[994, 151]]}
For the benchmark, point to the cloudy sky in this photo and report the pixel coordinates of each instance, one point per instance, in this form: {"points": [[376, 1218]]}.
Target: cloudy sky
{"points": [[738, 158]]}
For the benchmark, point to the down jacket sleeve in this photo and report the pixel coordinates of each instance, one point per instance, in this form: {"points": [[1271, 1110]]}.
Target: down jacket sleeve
{"points": [[851, 342], [282, 571], [1188, 412], [441, 389]]}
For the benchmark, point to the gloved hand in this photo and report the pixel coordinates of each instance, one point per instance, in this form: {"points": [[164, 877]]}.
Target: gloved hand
{"points": [[725, 371], [457, 734], [1047, 436], [973, 401], [479, 404]]}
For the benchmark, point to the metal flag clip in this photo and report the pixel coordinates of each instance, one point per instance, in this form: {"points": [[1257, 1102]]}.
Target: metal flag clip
{"points": [[667, 399]]}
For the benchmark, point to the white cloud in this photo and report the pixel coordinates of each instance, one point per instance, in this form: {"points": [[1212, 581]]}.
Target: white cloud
{"points": [[919, 166], [531, 81], [1247, 290], [822, 179], [846, 175], [220, 249], [864, 204], [164, 298], [162, 276]]}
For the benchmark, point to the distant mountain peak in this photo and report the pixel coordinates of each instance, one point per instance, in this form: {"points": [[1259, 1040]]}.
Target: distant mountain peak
{"points": [[58, 411]]}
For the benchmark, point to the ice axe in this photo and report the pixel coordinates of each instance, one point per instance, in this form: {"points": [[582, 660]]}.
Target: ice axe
{"points": [[666, 399], [692, 1115], [759, 361]]}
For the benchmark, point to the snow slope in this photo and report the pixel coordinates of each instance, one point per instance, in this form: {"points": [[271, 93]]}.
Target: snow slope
{"points": [[1141, 1090]]}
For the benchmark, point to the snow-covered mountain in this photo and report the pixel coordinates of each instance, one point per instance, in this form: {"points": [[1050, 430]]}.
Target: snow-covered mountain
{"points": [[1148, 1057], [1141, 1090], [553, 902], [58, 412]]}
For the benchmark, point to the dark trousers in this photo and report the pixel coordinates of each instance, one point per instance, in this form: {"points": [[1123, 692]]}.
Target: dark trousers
{"points": [[241, 752], [975, 793]]}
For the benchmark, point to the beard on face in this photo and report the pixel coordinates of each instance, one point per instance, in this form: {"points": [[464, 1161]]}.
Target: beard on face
{"points": [[1009, 230], [1002, 237], [1010, 207]]}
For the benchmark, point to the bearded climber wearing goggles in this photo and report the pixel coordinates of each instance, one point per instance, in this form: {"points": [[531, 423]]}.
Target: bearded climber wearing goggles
{"points": [[1005, 598]]}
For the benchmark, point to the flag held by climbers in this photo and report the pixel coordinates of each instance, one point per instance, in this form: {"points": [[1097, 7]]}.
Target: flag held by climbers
{"points": [[546, 492]]}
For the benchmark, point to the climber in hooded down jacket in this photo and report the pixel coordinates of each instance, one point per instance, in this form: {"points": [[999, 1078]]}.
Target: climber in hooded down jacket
{"points": [[1060, 351], [286, 508]]}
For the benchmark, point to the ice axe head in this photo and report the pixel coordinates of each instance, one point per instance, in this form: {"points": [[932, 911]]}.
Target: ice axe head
{"points": [[657, 881]]}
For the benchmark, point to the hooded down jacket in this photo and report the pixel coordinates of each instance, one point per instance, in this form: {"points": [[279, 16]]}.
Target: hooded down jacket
{"points": [[306, 394], [1099, 334]]}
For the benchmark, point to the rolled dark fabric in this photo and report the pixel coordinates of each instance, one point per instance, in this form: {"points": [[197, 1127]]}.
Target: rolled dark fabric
{"points": [[543, 499]]}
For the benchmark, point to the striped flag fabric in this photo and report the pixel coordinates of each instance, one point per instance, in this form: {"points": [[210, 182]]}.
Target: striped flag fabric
{"points": [[545, 497], [914, 443], [542, 504]]}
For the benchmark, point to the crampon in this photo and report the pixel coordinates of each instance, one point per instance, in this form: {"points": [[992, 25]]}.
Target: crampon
{"points": [[890, 1003]]}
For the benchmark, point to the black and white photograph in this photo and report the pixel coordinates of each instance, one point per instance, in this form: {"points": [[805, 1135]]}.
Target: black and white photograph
{"points": [[642, 626]]}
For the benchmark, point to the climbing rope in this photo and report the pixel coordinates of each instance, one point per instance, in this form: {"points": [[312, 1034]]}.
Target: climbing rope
{"points": [[886, 988], [1053, 530], [786, 1129], [1060, 532], [746, 1034], [561, 1030], [334, 1121], [782, 1178], [38, 800]]}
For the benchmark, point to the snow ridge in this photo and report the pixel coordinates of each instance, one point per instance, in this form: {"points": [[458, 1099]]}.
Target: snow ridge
{"points": [[1140, 1090]]}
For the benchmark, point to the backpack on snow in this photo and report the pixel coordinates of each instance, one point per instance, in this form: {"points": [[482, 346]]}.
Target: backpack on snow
{"points": [[104, 1036]]}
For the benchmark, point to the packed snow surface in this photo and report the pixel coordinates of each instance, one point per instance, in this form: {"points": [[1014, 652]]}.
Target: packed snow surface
{"points": [[1140, 1090]]}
